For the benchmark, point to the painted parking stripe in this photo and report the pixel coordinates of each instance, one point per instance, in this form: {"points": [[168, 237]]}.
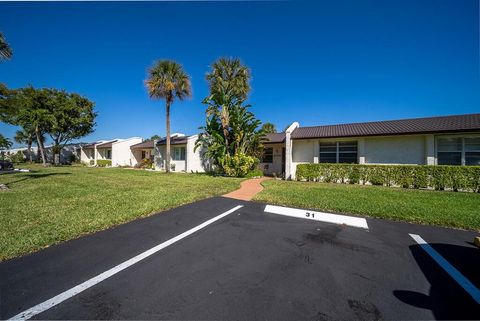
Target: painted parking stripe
{"points": [[450, 269], [318, 216], [39, 308]]}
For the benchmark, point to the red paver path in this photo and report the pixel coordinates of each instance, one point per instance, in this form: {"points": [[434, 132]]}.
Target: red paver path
{"points": [[248, 189]]}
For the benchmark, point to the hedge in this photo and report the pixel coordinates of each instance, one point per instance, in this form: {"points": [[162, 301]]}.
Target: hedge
{"points": [[104, 162], [439, 177]]}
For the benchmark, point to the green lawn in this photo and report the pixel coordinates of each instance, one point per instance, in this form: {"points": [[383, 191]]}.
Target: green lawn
{"points": [[450, 209], [50, 205]]}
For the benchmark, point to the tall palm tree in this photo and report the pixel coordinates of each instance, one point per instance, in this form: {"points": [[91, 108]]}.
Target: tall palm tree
{"points": [[167, 80], [229, 83], [26, 136], [5, 50], [5, 143]]}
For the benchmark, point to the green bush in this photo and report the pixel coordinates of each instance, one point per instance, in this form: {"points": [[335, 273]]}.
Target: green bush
{"points": [[18, 157], [255, 173], [145, 163], [440, 177], [238, 165], [104, 162]]}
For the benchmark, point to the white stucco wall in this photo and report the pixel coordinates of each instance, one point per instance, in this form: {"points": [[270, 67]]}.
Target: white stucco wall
{"points": [[395, 150], [121, 152], [408, 149], [276, 166], [180, 166], [195, 161]]}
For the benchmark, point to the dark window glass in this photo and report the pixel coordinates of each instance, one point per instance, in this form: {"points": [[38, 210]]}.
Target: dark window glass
{"points": [[328, 158], [347, 158], [472, 158], [449, 158], [178, 153], [143, 154], [267, 155], [449, 151], [328, 147], [109, 154], [347, 146]]}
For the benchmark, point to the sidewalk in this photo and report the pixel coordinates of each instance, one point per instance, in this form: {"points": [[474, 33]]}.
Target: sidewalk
{"points": [[248, 189]]}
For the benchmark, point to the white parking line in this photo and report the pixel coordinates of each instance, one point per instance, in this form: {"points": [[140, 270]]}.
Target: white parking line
{"points": [[318, 216], [450, 269], [27, 314]]}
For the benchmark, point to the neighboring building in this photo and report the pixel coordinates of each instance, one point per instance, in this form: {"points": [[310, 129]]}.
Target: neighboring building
{"points": [[448, 140], [69, 153], [116, 150], [183, 156], [141, 151]]}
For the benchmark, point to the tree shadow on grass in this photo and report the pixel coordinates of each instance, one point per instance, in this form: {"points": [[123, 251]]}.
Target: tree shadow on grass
{"points": [[34, 176], [446, 298]]}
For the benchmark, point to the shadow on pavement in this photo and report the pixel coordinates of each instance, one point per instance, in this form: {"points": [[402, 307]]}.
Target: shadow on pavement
{"points": [[446, 298]]}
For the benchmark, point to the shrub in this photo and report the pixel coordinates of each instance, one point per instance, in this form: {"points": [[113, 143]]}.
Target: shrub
{"points": [[104, 162], [238, 165], [255, 173], [439, 177], [145, 163], [18, 157]]}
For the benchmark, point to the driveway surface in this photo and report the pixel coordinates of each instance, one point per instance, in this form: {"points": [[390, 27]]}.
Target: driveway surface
{"points": [[249, 265]]}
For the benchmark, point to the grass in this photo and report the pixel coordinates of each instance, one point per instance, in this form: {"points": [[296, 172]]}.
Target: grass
{"points": [[460, 210], [51, 205]]}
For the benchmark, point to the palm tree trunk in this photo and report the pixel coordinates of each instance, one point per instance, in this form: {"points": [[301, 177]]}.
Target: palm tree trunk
{"points": [[40, 146], [29, 148], [167, 152]]}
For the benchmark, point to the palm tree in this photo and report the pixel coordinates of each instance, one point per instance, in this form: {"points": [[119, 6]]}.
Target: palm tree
{"points": [[5, 143], [26, 136], [5, 50], [167, 80], [269, 128], [229, 86]]}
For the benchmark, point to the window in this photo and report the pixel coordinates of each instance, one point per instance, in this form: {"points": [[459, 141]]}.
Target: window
{"points": [[109, 154], [267, 155], [458, 151], [472, 151], [178, 153], [144, 154], [338, 152]]}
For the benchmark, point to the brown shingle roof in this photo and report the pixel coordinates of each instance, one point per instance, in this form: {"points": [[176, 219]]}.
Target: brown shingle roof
{"points": [[143, 145], [106, 145], [175, 140], [274, 138], [457, 123]]}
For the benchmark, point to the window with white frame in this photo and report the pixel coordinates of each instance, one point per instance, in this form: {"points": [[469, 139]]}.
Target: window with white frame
{"points": [[338, 152], [458, 151], [178, 153]]}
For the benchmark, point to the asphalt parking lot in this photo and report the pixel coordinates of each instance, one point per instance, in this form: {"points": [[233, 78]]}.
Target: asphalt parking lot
{"points": [[248, 265]]}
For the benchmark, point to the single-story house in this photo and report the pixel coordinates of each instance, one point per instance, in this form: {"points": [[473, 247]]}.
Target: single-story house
{"points": [[142, 150], [116, 150], [183, 156], [446, 140]]}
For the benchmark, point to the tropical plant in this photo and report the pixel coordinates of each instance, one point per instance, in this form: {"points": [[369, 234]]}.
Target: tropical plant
{"points": [[269, 128], [167, 80], [155, 137], [230, 128], [26, 136], [5, 50], [5, 143]]}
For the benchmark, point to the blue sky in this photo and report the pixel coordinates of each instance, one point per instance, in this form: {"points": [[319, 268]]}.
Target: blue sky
{"points": [[321, 62]]}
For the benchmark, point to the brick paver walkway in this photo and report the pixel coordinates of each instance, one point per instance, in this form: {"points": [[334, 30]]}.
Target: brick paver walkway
{"points": [[248, 189]]}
